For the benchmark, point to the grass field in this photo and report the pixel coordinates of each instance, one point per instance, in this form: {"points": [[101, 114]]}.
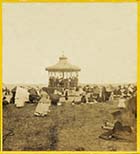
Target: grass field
{"points": [[66, 128]]}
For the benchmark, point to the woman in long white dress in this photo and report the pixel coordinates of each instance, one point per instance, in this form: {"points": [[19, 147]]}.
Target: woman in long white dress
{"points": [[43, 105], [121, 103], [21, 96]]}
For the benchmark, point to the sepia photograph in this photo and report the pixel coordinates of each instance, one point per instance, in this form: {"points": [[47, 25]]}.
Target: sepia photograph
{"points": [[69, 76]]}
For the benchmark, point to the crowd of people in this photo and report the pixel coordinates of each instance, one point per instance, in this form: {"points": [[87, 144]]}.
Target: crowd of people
{"points": [[63, 82], [44, 98], [105, 93], [75, 95]]}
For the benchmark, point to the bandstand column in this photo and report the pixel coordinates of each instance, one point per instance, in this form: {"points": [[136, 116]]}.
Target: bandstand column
{"points": [[77, 74]]}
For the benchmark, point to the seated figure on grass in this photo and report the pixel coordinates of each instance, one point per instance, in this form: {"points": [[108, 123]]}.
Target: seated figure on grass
{"points": [[43, 105]]}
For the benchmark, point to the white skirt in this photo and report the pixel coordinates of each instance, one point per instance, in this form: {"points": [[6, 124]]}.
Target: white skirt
{"points": [[42, 109], [121, 103], [19, 102]]}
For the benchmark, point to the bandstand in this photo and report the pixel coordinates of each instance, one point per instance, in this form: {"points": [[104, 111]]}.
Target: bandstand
{"points": [[63, 74]]}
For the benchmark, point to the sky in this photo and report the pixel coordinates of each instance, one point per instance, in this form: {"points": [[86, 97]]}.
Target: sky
{"points": [[100, 38]]}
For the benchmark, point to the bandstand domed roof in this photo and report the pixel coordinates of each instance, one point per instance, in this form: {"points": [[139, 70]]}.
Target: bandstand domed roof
{"points": [[63, 66]]}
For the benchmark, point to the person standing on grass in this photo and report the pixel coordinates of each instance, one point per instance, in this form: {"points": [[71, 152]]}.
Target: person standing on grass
{"points": [[121, 103], [42, 108], [66, 94], [21, 96]]}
